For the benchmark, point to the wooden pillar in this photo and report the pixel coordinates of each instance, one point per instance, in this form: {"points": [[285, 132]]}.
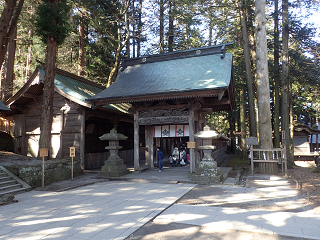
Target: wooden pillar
{"points": [[149, 145], [24, 140], [61, 133], [136, 141], [191, 133], [82, 138]]}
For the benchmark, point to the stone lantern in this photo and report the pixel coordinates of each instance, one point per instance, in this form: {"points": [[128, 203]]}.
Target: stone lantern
{"points": [[113, 166], [207, 170]]}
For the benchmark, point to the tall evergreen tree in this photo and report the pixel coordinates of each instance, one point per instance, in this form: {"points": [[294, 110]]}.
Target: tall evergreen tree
{"points": [[263, 89], [52, 26]]}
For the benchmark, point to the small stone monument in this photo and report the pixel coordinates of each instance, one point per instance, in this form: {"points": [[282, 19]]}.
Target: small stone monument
{"points": [[114, 166], [207, 171]]}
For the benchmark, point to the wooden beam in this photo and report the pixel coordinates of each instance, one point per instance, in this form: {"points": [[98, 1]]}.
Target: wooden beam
{"points": [[205, 110], [149, 145], [191, 133], [82, 138], [29, 95], [162, 107], [215, 101]]}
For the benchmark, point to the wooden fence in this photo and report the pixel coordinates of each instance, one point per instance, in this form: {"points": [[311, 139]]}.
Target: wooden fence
{"points": [[275, 155], [216, 155]]}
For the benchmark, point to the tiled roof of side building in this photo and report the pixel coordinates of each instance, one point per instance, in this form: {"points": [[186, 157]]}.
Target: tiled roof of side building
{"points": [[83, 90]]}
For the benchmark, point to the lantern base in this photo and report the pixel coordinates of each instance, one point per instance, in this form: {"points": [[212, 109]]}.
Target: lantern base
{"points": [[207, 173], [113, 168]]}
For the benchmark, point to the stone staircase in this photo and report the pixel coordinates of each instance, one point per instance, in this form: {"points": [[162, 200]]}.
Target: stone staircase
{"points": [[10, 183]]}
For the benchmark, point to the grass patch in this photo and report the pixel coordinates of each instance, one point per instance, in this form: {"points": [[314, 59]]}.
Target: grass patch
{"points": [[236, 160]]}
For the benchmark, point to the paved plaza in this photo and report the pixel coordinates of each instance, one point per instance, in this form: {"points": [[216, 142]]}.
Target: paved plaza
{"points": [[107, 210], [116, 209]]}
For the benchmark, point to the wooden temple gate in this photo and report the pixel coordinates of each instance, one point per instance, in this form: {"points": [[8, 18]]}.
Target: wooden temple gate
{"points": [[188, 113], [176, 88]]}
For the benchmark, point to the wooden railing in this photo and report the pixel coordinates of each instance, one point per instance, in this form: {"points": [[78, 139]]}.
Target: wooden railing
{"points": [[216, 155], [275, 155]]}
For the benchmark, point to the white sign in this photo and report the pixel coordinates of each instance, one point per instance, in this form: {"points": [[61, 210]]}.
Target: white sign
{"points": [[252, 141], [283, 135]]}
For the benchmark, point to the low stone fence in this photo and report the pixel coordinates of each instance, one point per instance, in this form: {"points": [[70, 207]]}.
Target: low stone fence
{"points": [[55, 170]]}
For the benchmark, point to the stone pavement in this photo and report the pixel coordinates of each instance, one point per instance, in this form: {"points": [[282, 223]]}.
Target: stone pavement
{"points": [[116, 209], [302, 225], [105, 210]]}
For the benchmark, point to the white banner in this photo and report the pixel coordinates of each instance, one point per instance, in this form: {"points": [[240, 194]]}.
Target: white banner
{"points": [[171, 131]]}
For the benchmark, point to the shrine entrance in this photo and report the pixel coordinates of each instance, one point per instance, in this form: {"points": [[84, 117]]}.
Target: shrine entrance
{"points": [[172, 92], [170, 136]]}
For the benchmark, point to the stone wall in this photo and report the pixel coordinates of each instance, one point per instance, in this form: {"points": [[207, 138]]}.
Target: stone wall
{"points": [[54, 171]]}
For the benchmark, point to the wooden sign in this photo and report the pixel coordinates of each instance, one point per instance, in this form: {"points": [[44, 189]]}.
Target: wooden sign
{"points": [[191, 145], [72, 151], [44, 152]]}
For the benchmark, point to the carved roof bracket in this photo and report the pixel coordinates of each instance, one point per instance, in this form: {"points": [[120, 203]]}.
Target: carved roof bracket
{"points": [[220, 95]]}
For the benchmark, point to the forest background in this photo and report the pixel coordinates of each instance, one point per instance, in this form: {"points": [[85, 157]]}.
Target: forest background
{"points": [[100, 33]]}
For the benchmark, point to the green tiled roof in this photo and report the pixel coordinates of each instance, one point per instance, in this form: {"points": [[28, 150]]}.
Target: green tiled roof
{"points": [[193, 74], [82, 90]]}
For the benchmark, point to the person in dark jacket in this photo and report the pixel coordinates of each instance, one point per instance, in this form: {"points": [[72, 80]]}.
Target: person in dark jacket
{"points": [[160, 157]]}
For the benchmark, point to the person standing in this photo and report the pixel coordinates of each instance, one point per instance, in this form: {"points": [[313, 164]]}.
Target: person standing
{"points": [[160, 157], [175, 156]]}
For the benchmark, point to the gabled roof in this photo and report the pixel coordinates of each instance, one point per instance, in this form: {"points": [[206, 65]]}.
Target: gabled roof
{"points": [[202, 72], [301, 127], [3, 107], [73, 87]]}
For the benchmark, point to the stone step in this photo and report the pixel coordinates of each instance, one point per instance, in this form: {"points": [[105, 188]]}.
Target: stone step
{"points": [[11, 184], [2, 174], [7, 183], [10, 188], [5, 178]]}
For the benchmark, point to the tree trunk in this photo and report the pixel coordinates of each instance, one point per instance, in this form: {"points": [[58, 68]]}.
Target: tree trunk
{"points": [[116, 66], [139, 29], [127, 23], [161, 26], [48, 94], [210, 32], [247, 60], [8, 24], [263, 89], [243, 121], [29, 55], [285, 81], [134, 35], [171, 27], [232, 132], [5, 26], [7, 81], [81, 48], [276, 126]]}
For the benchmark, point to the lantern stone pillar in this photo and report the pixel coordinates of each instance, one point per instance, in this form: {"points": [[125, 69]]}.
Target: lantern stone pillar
{"points": [[113, 166], [207, 171]]}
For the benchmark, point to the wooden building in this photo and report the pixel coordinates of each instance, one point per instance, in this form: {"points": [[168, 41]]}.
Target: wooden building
{"points": [[171, 94], [74, 122], [304, 148]]}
